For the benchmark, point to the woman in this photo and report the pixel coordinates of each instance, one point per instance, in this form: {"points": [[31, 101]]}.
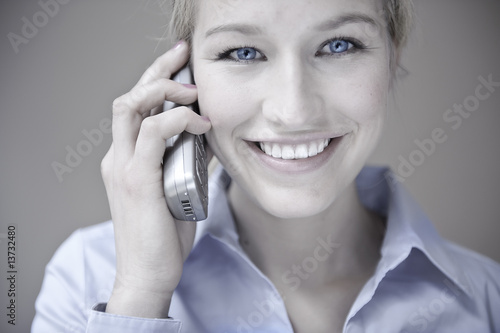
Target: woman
{"points": [[300, 237]]}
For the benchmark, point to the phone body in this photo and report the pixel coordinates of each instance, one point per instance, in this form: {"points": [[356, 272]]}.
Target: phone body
{"points": [[185, 175]]}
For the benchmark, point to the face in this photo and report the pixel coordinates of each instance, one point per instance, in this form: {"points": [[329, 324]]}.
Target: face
{"points": [[296, 93]]}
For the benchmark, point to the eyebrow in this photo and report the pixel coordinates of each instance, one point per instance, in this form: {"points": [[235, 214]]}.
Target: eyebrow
{"points": [[248, 29], [346, 19]]}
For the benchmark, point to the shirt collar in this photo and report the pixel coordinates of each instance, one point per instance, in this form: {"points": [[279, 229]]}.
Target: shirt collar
{"points": [[407, 226], [380, 191]]}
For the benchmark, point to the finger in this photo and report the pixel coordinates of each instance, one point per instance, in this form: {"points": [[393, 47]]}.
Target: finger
{"points": [[167, 64], [155, 130], [107, 166], [130, 110], [107, 175]]}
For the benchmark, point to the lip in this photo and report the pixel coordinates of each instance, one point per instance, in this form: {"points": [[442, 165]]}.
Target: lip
{"points": [[294, 140], [295, 166]]}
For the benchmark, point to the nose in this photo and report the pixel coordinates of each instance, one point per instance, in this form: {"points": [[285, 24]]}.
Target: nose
{"points": [[291, 101]]}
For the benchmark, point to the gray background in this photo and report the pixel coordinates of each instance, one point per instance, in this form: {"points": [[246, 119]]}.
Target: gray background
{"points": [[65, 78]]}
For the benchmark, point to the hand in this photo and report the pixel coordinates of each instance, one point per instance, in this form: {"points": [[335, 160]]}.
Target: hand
{"points": [[151, 245]]}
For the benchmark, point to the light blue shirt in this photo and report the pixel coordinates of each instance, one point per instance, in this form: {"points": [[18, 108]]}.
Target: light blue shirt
{"points": [[421, 284]]}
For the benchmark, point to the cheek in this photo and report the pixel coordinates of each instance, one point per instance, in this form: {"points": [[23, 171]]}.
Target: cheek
{"points": [[219, 100], [366, 98], [229, 109], [209, 106]]}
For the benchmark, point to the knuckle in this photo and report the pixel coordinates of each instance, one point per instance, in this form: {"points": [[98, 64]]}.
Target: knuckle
{"points": [[164, 82], [149, 125], [106, 166], [139, 93], [121, 105], [185, 114], [150, 73]]}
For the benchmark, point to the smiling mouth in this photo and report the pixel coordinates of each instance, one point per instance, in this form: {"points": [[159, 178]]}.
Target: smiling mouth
{"points": [[294, 151]]}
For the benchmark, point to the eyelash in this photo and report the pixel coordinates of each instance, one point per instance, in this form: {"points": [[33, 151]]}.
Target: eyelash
{"points": [[357, 46], [225, 54]]}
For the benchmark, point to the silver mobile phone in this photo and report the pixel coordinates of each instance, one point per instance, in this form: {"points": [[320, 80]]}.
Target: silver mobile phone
{"points": [[185, 176]]}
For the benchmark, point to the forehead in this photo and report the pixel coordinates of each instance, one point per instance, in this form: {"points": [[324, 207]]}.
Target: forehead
{"points": [[285, 14]]}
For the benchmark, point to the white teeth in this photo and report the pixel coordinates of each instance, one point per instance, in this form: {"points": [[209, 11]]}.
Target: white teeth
{"points": [[268, 150], [313, 149], [290, 152], [301, 151], [276, 151], [287, 152], [322, 147]]}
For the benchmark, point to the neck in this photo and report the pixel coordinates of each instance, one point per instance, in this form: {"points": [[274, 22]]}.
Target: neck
{"points": [[338, 245]]}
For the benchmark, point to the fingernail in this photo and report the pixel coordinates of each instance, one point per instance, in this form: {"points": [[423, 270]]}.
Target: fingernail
{"points": [[188, 85], [179, 43], [205, 118]]}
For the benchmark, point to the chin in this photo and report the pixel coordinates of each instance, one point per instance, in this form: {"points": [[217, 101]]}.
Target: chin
{"points": [[295, 203]]}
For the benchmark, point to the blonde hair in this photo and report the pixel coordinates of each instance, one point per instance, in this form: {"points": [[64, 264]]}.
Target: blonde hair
{"points": [[398, 15], [182, 19], [399, 18]]}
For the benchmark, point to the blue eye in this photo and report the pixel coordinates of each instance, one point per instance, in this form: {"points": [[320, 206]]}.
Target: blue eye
{"points": [[246, 53], [339, 46]]}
